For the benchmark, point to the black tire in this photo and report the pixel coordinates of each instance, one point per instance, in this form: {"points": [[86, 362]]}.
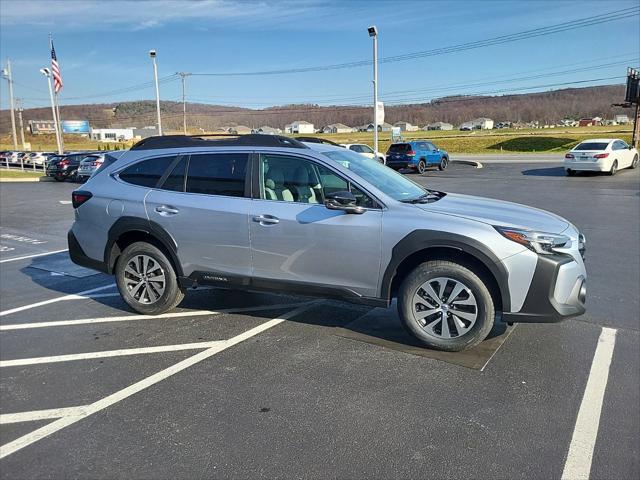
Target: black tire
{"points": [[422, 167], [570, 173], [59, 178], [168, 299], [634, 163], [484, 308], [614, 168], [443, 163]]}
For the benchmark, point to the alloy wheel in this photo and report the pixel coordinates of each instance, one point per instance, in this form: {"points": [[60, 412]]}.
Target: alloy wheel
{"points": [[144, 279], [445, 308]]}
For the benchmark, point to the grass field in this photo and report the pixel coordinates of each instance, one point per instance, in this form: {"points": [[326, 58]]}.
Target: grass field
{"points": [[18, 174], [454, 141]]}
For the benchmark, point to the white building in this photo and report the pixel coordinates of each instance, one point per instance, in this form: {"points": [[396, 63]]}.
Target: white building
{"points": [[438, 126], [621, 119], [299, 126], [337, 128], [112, 134], [481, 123], [406, 127]]}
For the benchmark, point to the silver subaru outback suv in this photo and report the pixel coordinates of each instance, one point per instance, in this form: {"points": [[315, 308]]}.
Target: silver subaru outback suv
{"points": [[263, 212]]}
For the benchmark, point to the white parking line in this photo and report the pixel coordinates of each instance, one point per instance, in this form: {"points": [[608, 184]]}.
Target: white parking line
{"points": [[580, 456], [15, 259], [45, 431], [74, 296], [41, 414], [128, 318], [21, 362]]}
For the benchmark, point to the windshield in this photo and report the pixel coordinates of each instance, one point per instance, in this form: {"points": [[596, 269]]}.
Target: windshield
{"points": [[383, 178], [592, 146]]}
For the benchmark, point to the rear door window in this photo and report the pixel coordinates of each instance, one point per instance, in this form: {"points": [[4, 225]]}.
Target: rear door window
{"points": [[148, 172], [175, 180], [218, 174]]}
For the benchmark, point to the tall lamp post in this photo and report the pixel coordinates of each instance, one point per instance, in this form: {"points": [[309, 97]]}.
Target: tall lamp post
{"points": [[373, 32], [6, 73], [47, 73], [152, 54]]}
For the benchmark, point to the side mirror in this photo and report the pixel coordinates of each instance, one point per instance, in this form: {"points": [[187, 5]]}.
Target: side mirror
{"points": [[344, 201]]}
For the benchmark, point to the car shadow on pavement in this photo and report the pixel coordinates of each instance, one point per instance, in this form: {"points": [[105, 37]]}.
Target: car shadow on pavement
{"points": [[545, 172]]}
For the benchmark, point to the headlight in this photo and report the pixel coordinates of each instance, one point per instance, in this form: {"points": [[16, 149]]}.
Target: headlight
{"points": [[539, 242]]}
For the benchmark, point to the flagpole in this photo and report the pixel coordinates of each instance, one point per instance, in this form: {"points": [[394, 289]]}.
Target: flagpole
{"points": [[56, 105]]}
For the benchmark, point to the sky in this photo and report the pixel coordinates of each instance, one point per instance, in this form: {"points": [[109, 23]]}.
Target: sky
{"points": [[102, 49]]}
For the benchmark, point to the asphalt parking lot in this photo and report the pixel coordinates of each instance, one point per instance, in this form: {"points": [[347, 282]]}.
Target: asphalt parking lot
{"points": [[249, 385]]}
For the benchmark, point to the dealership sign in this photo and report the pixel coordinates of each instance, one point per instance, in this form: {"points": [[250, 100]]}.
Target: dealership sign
{"points": [[76, 126]]}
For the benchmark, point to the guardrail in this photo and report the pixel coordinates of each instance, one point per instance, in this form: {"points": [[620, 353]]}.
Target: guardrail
{"points": [[7, 164]]}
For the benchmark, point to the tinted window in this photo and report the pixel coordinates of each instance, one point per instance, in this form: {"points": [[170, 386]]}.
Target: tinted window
{"points": [[400, 147], [218, 174], [366, 149], [148, 172], [592, 146], [108, 160], [175, 180], [356, 148]]}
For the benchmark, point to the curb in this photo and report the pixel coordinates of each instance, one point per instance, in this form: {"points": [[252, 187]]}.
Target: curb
{"points": [[26, 180], [473, 163]]}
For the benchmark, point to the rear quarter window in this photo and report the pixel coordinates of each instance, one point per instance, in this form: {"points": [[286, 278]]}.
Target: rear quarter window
{"points": [[148, 172]]}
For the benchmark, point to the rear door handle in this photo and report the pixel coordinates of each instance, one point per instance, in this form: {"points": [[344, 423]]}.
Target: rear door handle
{"points": [[266, 219], [166, 210]]}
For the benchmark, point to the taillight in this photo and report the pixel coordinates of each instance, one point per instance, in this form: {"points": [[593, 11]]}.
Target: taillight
{"points": [[411, 153], [601, 155], [568, 155], [79, 197], [64, 162]]}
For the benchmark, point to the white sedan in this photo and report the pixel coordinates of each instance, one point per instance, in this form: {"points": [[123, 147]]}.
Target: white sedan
{"points": [[600, 155], [366, 150]]}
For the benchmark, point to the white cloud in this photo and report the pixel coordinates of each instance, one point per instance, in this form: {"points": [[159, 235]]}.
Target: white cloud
{"points": [[141, 14]]}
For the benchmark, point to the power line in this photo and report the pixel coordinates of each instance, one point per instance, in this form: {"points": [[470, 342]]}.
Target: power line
{"points": [[533, 33]]}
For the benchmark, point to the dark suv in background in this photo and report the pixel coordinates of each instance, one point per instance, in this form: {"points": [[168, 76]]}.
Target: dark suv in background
{"points": [[62, 167]]}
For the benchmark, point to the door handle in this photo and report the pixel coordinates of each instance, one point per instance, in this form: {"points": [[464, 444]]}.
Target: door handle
{"points": [[166, 210], [266, 219]]}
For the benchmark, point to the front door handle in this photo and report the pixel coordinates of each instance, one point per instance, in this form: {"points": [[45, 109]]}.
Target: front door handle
{"points": [[266, 219], [166, 210]]}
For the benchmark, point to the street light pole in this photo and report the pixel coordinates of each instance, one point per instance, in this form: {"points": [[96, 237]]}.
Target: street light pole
{"points": [[152, 54], [373, 32], [6, 73], [47, 73]]}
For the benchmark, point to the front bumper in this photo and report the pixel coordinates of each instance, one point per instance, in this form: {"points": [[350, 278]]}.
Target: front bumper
{"points": [[558, 291]]}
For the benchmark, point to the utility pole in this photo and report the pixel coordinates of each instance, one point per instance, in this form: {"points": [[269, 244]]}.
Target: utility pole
{"points": [[20, 124], [6, 73], [373, 32], [636, 127], [183, 76], [152, 54]]}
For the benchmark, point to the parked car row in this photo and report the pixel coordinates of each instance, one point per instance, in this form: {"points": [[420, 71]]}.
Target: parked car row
{"points": [[25, 158], [77, 166]]}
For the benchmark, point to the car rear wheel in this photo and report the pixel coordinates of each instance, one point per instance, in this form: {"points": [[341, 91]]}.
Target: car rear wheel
{"points": [[59, 178], [443, 163], [570, 173], [146, 279], [614, 168], [422, 167], [446, 306], [634, 163]]}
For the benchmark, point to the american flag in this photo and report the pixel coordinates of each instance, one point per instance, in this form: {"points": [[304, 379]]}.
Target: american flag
{"points": [[55, 70]]}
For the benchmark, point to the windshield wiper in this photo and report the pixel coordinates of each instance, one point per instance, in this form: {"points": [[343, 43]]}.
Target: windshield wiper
{"points": [[430, 196]]}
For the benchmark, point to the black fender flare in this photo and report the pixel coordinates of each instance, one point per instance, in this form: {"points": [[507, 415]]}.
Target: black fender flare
{"points": [[420, 240], [133, 224]]}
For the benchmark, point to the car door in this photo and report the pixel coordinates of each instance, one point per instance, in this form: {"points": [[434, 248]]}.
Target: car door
{"points": [[203, 203], [296, 240], [433, 154]]}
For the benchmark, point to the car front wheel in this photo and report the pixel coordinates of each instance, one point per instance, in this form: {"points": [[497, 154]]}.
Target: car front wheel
{"points": [[443, 163], [146, 279], [446, 306]]}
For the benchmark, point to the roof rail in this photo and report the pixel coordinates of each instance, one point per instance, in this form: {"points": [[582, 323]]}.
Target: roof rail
{"points": [[220, 140]]}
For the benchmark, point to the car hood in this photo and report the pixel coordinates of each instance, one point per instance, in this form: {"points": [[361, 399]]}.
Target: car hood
{"points": [[497, 212]]}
